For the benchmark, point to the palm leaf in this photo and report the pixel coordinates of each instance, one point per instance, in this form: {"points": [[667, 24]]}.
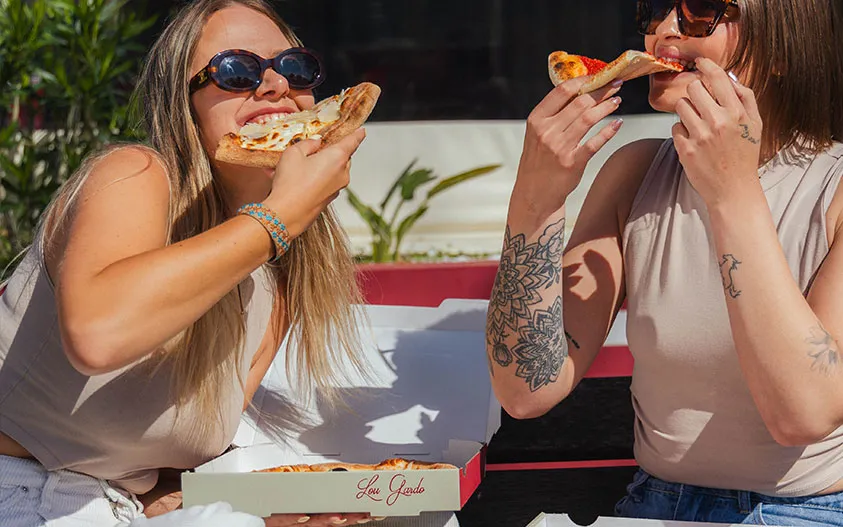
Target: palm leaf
{"points": [[459, 178]]}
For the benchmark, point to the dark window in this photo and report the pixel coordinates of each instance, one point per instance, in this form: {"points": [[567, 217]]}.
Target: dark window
{"points": [[461, 59]]}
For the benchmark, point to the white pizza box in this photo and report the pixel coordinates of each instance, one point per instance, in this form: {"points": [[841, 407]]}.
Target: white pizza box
{"points": [[429, 399], [563, 520]]}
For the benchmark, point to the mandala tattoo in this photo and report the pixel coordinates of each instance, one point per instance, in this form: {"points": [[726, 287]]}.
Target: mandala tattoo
{"points": [[541, 347], [524, 273], [517, 282], [823, 351]]}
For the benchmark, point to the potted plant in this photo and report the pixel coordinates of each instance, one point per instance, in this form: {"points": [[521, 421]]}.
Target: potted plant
{"points": [[390, 276]]}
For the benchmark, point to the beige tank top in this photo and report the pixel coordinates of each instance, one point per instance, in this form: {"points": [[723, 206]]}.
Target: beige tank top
{"points": [[695, 420], [119, 426]]}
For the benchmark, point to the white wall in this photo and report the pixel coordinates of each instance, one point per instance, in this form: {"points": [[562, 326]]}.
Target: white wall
{"points": [[469, 217]]}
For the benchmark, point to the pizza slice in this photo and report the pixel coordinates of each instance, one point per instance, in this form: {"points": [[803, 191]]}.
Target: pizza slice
{"points": [[389, 464], [260, 144], [406, 464], [287, 468], [629, 65]]}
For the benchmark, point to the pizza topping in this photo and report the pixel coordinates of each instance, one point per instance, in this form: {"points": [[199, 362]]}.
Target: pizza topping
{"points": [[592, 65], [673, 62], [279, 130]]}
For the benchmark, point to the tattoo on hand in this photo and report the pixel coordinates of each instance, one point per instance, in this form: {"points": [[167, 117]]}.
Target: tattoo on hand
{"points": [[524, 271], [728, 266], [746, 135], [823, 351]]}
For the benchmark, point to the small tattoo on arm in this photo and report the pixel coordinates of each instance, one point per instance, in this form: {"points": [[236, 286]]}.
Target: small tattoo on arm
{"points": [[524, 272], [574, 342], [746, 135], [823, 351], [728, 265]]}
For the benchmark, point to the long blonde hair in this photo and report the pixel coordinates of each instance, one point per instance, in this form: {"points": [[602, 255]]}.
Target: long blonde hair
{"points": [[315, 284]]}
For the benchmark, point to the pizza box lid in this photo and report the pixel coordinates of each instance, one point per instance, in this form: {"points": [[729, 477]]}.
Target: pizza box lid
{"points": [[563, 520], [429, 398]]}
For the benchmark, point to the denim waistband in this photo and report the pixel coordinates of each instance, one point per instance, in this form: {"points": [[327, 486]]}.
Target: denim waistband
{"points": [[746, 499]]}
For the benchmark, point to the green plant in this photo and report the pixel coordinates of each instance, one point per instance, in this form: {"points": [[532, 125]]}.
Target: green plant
{"points": [[387, 232], [66, 73]]}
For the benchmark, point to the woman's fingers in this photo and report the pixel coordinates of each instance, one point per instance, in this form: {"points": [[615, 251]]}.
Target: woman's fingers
{"points": [[317, 520], [692, 121], [718, 84], [586, 151], [578, 129]]}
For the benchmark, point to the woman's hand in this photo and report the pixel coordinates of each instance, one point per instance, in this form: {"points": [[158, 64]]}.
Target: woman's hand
{"points": [[553, 159], [307, 181], [317, 520], [719, 137]]}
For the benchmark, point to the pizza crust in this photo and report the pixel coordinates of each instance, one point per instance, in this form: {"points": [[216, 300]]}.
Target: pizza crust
{"points": [[357, 104], [354, 111], [629, 65]]}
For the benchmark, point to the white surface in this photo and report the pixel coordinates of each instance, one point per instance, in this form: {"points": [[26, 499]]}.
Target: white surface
{"points": [[563, 520], [469, 217], [213, 515], [429, 398]]}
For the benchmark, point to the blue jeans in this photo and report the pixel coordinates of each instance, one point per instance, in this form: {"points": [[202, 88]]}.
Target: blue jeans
{"points": [[650, 497]]}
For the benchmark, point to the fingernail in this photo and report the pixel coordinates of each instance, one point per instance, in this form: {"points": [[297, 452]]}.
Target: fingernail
{"points": [[616, 124], [304, 519], [617, 83], [361, 522], [616, 100], [733, 77], [339, 522], [379, 518]]}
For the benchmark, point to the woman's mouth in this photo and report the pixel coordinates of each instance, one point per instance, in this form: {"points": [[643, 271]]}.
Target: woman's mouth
{"points": [[687, 65]]}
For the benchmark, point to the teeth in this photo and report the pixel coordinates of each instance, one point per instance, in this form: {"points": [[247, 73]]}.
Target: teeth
{"points": [[687, 65], [263, 119]]}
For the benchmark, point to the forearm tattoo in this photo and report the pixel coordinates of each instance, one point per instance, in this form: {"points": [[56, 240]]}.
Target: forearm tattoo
{"points": [[728, 267], [823, 351], [524, 274]]}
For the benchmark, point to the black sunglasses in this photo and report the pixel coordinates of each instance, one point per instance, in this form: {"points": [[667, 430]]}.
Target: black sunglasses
{"points": [[238, 70], [697, 18]]}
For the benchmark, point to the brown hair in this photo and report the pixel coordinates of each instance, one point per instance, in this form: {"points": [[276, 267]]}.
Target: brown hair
{"points": [[315, 283], [791, 53]]}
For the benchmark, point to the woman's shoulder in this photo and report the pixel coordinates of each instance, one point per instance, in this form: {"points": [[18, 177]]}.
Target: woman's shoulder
{"points": [[624, 171], [124, 163]]}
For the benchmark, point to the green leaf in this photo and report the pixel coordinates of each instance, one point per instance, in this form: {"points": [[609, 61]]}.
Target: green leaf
{"points": [[376, 223], [413, 181], [459, 178], [397, 183], [405, 226]]}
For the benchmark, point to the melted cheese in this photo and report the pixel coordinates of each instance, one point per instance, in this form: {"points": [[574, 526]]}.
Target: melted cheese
{"points": [[277, 133]]}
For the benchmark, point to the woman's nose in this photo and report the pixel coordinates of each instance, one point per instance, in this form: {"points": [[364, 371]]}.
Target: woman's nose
{"points": [[273, 85]]}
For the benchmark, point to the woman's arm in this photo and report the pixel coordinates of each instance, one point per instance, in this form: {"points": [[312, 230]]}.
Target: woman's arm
{"points": [[527, 342], [121, 292], [788, 346]]}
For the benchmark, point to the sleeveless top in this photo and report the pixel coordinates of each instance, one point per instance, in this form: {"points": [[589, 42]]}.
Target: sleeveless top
{"points": [[120, 426], [695, 419]]}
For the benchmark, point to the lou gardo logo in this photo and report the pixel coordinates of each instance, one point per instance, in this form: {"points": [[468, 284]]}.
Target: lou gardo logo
{"points": [[389, 489]]}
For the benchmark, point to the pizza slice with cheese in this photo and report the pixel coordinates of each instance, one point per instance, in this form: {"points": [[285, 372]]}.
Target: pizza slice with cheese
{"points": [[260, 144], [629, 65]]}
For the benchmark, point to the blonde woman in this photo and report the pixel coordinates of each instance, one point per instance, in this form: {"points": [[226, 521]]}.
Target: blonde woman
{"points": [[144, 317]]}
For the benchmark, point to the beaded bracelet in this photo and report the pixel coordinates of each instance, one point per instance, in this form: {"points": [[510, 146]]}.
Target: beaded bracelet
{"points": [[273, 225]]}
